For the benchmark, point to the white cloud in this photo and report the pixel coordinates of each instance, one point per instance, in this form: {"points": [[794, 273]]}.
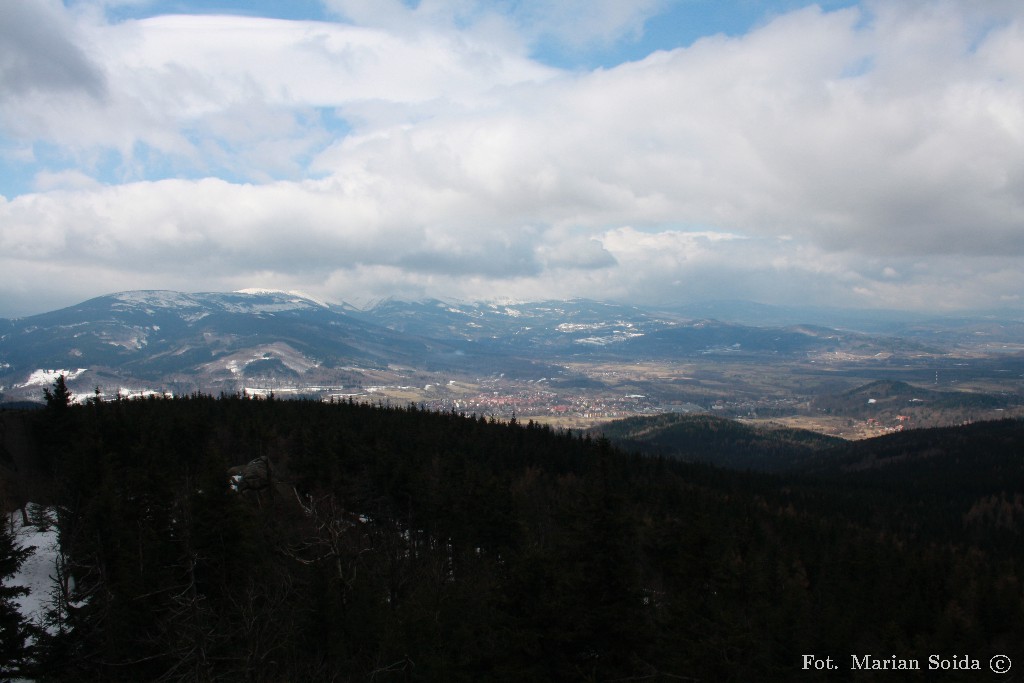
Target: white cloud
{"points": [[864, 156], [209, 93]]}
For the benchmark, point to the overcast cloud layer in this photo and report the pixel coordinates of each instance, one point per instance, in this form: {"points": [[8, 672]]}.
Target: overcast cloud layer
{"points": [[868, 156]]}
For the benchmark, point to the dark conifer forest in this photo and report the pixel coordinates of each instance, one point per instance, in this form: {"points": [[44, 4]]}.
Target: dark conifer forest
{"points": [[231, 539]]}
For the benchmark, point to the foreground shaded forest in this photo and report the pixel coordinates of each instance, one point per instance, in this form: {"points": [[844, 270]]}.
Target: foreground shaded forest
{"points": [[395, 544]]}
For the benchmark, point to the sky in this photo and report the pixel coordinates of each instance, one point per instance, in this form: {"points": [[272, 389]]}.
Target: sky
{"points": [[850, 154]]}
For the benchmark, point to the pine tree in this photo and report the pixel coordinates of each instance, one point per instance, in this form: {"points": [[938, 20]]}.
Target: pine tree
{"points": [[15, 630], [60, 397]]}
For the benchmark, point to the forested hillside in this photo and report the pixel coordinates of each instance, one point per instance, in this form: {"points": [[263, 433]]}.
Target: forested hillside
{"points": [[235, 539], [718, 441]]}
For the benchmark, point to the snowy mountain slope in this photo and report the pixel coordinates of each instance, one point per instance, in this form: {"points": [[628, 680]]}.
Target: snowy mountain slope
{"points": [[524, 326], [145, 341], [153, 335], [605, 330]]}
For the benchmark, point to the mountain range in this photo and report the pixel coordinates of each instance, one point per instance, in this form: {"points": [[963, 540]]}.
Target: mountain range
{"points": [[173, 342]]}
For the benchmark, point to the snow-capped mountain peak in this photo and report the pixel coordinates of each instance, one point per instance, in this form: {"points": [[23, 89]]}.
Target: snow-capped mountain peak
{"points": [[293, 294]]}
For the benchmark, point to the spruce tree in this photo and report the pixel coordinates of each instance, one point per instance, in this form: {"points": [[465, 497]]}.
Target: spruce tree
{"points": [[15, 630], [60, 397]]}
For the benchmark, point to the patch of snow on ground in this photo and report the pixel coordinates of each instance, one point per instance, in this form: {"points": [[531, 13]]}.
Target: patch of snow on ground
{"points": [[277, 391], [132, 344], [43, 378], [614, 339], [131, 394], [38, 569], [580, 327], [158, 298], [294, 294]]}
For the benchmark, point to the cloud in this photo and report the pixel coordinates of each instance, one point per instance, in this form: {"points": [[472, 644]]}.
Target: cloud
{"points": [[211, 226], [39, 52], [575, 252], [759, 135], [868, 156], [243, 96]]}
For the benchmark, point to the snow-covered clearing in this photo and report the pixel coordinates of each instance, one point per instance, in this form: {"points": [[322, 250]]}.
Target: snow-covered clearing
{"points": [[38, 569], [43, 377]]}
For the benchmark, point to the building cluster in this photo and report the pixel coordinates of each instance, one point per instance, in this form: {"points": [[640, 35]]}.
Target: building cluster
{"points": [[882, 428], [543, 402]]}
